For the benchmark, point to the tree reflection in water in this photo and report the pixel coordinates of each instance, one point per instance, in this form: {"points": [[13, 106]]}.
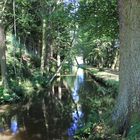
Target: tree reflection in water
{"points": [[77, 113], [46, 116]]}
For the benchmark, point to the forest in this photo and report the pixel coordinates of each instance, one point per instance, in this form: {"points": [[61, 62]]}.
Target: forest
{"points": [[69, 70]]}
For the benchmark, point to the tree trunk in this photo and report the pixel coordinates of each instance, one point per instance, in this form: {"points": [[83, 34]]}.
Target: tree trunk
{"points": [[116, 58], [3, 58], [43, 56], [49, 38], [46, 48], [128, 102], [59, 74], [48, 53]]}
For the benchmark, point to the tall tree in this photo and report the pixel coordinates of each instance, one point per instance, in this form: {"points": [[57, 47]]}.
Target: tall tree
{"points": [[3, 46], [3, 58], [128, 104], [43, 56]]}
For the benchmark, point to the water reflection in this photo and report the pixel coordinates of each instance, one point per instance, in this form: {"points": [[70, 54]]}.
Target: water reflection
{"points": [[77, 113], [46, 116], [14, 125], [78, 81]]}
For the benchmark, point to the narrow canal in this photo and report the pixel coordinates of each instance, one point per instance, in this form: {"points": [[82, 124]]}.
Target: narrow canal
{"points": [[48, 116]]}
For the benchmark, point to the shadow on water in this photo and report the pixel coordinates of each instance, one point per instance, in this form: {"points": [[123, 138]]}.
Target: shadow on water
{"points": [[47, 116]]}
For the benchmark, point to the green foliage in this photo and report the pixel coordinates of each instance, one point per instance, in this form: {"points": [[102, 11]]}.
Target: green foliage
{"points": [[84, 132], [40, 80], [113, 88], [34, 62], [7, 95], [134, 132], [98, 30]]}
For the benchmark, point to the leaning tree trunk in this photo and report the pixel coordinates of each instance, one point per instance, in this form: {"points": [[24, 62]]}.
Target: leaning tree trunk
{"points": [[128, 103], [3, 58]]}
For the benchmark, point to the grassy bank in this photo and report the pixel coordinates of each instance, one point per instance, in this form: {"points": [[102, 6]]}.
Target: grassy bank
{"points": [[99, 105]]}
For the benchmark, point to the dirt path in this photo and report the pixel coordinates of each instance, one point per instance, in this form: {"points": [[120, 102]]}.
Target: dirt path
{"points": [[106, 74]]}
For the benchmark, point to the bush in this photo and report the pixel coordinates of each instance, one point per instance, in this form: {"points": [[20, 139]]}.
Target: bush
{"points": [[7, 95]]}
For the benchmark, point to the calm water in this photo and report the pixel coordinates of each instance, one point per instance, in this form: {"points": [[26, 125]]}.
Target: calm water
{"points": [[47, 116]]}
